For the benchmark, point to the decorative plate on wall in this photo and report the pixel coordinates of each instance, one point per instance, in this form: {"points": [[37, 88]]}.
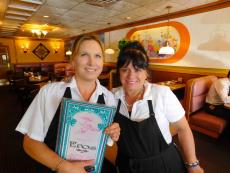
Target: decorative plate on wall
{"points": [[41, 51]]}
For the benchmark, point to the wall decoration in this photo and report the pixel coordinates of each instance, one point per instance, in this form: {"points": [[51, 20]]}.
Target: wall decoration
{"points": [[41, 51], [153, 37]]}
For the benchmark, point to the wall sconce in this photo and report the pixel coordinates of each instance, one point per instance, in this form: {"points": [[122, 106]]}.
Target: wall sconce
{"points": [[25, 48], [68, 53], [56, 48]]}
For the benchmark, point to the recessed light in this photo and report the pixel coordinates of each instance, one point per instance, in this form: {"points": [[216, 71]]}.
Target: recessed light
{"points": [[46, 16], [128, 17]]}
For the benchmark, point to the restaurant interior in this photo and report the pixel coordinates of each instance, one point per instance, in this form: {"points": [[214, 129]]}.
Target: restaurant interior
{"points": [[187, 41]]}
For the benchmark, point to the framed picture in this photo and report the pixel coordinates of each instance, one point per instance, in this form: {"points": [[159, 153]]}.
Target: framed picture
{"points": [[81, 131], [41, 51], [155, 36]]}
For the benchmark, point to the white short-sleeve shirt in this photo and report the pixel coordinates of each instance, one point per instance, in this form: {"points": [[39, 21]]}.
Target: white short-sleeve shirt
{"points": [[37, 119], [218, 92], [166, 107]]}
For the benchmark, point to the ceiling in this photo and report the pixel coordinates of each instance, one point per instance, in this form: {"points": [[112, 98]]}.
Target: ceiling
{"points": [[68, 18]]}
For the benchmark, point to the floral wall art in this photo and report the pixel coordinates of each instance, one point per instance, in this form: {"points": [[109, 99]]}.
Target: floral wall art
{"points": [[153, 37]]}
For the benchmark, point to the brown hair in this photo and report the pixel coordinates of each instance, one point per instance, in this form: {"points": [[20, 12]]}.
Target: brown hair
{"points": [[80, 40]]}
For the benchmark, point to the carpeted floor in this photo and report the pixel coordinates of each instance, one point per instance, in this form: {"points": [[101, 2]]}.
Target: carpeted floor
{"points": [[214, 155]]}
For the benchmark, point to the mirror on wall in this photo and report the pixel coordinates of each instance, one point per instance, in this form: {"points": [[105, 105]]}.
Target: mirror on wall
{"points": [[4, 61], [4, 55]]}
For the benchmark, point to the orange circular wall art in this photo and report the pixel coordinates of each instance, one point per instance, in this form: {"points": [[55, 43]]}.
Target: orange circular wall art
{"points": [[153, 37]]}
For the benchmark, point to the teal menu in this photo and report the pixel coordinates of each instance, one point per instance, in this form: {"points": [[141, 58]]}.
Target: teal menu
{"points": [[81, 131]]}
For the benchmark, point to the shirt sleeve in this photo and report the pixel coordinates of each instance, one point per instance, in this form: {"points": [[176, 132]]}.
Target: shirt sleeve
{"points": [[172, 107], [32, 122]]}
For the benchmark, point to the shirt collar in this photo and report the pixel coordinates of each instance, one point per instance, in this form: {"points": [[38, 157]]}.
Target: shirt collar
{"points": [[73, 84]]}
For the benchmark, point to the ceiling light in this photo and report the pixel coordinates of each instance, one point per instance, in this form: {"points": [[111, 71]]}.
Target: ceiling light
{"points": [[46, 16], [39, 31], [109, 50], [167, 49]]}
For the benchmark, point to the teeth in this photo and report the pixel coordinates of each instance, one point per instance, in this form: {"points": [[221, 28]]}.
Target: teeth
{"points": [[90, 69], [131, 82]]}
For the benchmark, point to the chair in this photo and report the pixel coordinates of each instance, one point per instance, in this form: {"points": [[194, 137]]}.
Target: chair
{"points": [[195, 94], [114, 80], [25, 93], [111, 153]]}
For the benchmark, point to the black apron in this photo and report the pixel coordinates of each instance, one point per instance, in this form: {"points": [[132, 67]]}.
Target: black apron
{"points": [[51, 137], [143, 149]]}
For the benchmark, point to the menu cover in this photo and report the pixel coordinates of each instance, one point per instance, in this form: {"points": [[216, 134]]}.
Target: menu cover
{"points": [[81, 131]]}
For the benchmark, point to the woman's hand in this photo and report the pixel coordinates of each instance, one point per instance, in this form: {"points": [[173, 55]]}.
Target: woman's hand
{"points": [[74, 167], [113, 131], [196, 169]]}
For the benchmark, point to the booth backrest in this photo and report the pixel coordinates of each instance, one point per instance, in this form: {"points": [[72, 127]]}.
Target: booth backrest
{"points": [[35, 67], [196, 92], [199, 120]]}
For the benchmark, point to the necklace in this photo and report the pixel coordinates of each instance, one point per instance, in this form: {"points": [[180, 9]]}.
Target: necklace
{"points": [[138, 96]]}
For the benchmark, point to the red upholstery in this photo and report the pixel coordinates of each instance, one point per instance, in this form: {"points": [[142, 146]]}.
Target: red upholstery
{"points": [[195, 94], [35, 67]]}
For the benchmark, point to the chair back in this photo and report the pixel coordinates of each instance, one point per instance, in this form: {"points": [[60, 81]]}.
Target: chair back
{"points": [[195, 93], [114, 80]]}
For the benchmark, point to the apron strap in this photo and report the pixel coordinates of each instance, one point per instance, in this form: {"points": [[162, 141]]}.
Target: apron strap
{"points": [[151, 112], [118, 105], [101, 99], [51, 135], [67, 93]]}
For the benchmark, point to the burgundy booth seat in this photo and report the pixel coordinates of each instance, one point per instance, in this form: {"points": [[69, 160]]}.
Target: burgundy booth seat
{"points": [[27, 67], [43, 68], [195, 94]]}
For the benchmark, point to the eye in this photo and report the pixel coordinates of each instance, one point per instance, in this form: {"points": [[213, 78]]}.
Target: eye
{"points": [[123, 69], [83, 54], [137, 70], [98, 56]]}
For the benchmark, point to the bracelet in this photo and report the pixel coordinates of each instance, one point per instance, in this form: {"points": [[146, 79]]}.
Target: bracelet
{"points": [[192, 165], [58, 164]]}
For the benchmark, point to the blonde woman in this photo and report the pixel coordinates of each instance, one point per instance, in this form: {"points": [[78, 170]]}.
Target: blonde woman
{"points": [[40, 122]]}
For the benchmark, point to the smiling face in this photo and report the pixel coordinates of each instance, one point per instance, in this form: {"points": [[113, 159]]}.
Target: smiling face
{"points": [[132, 79], [132, 66], [88, 61]]}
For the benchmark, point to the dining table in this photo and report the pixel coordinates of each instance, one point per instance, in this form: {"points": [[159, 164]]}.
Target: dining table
{"points": [[38, 79], [178, 88], [173, 85]]}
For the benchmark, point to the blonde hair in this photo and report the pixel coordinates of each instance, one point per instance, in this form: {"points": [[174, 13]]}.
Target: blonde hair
{"points": [[80, 40]]}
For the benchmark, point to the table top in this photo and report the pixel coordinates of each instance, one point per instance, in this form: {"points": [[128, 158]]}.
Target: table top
{"points": [[173, 85], [38, 79]]}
